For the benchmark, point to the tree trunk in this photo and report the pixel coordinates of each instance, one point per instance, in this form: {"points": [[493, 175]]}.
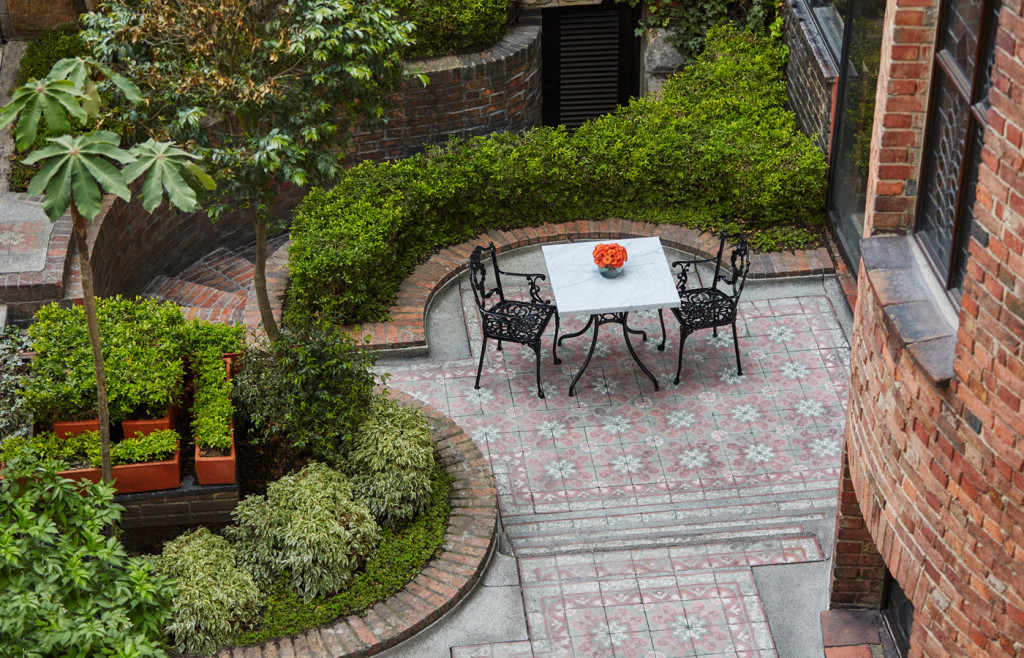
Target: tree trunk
{"points": [[260, 280], [92, 320]]}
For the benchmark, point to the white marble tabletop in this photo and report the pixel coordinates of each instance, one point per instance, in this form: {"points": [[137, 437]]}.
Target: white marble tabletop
{"points": [[645, 282]]}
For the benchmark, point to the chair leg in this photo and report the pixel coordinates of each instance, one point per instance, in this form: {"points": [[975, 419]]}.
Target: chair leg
{"points": [[483, 351], [661, 319], [536, 351], [736, 344], [679, 363], [499, 346], [554, 344]]}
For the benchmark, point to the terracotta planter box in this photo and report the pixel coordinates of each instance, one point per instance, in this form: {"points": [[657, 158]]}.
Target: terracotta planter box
{"points": [[144, 427], [135, 478], [217, 470], [65, 428]]}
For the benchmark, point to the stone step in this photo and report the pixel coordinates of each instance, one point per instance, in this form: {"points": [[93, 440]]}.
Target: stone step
{"points": [[199, 301], [222, 269], [667, 524], [519, 649]]}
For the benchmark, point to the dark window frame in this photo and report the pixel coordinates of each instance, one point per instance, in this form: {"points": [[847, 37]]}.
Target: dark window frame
{"points": [[974, 93]]}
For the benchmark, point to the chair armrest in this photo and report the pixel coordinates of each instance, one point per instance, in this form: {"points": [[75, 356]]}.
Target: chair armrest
{"points": [[682, 277], [534, 281]]}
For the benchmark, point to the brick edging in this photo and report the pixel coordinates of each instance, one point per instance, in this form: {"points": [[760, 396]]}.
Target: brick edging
{"points": [[406, 329], [27, 292], [448, 577]]}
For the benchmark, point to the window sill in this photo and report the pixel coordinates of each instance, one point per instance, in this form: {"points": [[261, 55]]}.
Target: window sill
{"points": [[917, 315]]}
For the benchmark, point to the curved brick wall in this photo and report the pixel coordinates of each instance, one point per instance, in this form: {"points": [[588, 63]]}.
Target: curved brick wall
{"points": [[933, 484], [498, 89]]}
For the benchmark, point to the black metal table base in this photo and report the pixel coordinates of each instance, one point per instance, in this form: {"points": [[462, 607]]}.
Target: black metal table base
{"points": [[596, 321]]}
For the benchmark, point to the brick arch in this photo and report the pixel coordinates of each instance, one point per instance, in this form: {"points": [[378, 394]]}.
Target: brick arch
{"points": [[407, 328]]}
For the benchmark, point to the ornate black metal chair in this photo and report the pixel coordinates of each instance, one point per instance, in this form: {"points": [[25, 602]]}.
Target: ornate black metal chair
{"points": [[508, 320], [713, 306]]}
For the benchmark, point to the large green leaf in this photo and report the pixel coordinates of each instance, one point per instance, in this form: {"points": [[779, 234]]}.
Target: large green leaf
{"points": [[82, 166], [56, 99], [168, 169]]}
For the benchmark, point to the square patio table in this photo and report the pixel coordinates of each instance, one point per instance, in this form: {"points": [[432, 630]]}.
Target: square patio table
{"points": [[645, 283]]}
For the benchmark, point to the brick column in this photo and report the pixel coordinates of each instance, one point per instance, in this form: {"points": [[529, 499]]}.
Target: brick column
{"points": [[902, 101], [858, 570]]}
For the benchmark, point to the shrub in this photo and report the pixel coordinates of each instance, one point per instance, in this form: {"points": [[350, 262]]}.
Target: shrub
{"points": [[83, 450], [391, 462], [444, 27], [46, 49], [310, 390], [717, 151], [402, 554], [14, 416], [141, 355], [308, 529], [215, 599], [68, 589], [212, 409]]}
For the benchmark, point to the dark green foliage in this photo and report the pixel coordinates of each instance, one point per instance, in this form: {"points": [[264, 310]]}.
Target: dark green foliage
{"points": [[307, 529], [718, 152], [212, 410], [402, 553], [83, 450], [214, 598], [142, 357], [311, 390], [444, 27], [690, 21], [14, 416], [45, 49], [69, 590], [391, 462]]}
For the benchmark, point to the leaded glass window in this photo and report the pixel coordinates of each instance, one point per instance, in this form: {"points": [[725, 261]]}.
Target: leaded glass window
{"points": [[956, 126]]}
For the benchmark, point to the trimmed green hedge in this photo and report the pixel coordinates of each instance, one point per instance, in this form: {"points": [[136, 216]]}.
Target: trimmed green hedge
{"points": [[716, 151], [446, 27]]}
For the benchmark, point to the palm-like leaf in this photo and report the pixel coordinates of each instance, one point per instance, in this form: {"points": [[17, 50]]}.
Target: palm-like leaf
{"points": [[167, 169], [82, 166], [54, 98]]}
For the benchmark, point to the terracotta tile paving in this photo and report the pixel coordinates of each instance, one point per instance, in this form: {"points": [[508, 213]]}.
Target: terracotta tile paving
{"points": [[637, 515]]}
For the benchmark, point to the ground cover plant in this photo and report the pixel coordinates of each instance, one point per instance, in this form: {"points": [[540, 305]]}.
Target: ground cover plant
{"points": [[15, 418], [718, 151]]}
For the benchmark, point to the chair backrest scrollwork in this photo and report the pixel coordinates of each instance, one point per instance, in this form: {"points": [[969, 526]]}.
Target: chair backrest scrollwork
{"points": [[478, 276], [735, 274]]}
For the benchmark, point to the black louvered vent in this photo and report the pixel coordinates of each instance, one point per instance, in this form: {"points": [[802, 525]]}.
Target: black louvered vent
{"points": [[590, 61], [589, 84]]}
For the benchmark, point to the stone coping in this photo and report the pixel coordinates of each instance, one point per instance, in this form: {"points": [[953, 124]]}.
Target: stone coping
{"points": [[406, 331], [912, 314], [447, 578]]}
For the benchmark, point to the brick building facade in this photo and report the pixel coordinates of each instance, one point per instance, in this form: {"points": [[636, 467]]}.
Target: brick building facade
{"points": [[933, 486]]}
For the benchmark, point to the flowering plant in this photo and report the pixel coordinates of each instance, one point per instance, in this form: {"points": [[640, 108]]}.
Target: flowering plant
{"points": [[609, 255]]}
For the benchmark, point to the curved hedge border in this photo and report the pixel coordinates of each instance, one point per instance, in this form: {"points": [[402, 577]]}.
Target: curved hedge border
{"points": [[405, 330], [446, 579], [717, 150]]}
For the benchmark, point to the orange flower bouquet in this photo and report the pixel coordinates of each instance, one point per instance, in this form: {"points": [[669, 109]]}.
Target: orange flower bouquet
{"points": [[610, 258]]}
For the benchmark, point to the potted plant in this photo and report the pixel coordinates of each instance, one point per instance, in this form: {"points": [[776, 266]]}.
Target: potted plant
{"points": [[140, 463], [144, 370], [212, 424]]}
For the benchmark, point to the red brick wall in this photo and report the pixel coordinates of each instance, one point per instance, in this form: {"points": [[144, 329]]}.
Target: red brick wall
{"points": [[938, 471], [903, 81], [498, 89]]}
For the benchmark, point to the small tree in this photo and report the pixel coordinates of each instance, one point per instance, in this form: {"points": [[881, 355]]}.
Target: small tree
{"points": [[266, 90], [79, 169]]}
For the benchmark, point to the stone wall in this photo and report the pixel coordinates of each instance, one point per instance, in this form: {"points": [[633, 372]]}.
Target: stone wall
{"points": [[935, 428], [811, 75], [494, 90]]}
